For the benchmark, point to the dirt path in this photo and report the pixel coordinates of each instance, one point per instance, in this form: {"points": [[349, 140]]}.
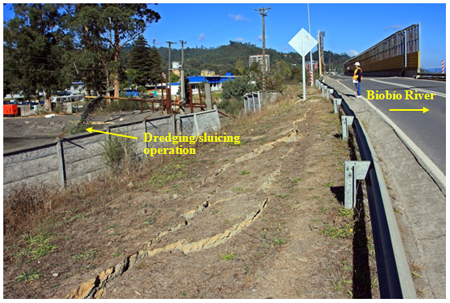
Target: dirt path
{"points": [[262, 219]]}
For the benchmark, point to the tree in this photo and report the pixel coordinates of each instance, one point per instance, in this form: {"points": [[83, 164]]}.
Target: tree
{"points": [[237, 88], [104, 28], [155, 63], [126, 22], [140, 61], [34, 50], [174, 77], [92, 55], [239, 69]]}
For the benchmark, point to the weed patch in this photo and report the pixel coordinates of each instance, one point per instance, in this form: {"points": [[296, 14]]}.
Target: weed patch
{"points": [[38, 246], [227, 257], [28, 277]]}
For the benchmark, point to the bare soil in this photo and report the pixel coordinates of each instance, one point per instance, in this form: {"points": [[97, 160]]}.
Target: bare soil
{"points": [[262, 219]]}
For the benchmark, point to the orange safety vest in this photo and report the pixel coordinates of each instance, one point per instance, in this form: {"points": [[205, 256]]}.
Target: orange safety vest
{"points": [[355, 73]]}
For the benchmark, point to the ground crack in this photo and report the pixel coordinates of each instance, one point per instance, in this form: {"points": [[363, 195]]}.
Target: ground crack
{"points": [[96, 287]]}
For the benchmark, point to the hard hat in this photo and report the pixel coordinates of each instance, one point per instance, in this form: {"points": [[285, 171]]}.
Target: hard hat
{"points": [[357, 63]]}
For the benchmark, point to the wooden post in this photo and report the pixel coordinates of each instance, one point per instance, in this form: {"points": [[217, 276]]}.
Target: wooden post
{"points": [[169, 101], [192, 99], [200, 93]]}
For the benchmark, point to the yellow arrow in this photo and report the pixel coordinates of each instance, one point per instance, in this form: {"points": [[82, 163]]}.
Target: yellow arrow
{"points": [[424, 110], [90, 130]]}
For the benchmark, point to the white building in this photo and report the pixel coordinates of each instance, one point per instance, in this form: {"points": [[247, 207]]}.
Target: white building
{"points": [[259, 59]]}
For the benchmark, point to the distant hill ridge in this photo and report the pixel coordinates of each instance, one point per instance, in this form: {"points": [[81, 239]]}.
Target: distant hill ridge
{"points": [[223, 59]]}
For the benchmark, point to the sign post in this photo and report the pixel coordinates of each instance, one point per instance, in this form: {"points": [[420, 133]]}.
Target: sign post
{"points": [[303, 43]]}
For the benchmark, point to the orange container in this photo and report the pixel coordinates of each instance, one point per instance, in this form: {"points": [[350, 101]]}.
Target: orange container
{"points": [[10, 110]]}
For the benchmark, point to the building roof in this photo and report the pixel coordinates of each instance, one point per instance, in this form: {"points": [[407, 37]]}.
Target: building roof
{"points": [[209, 79]]}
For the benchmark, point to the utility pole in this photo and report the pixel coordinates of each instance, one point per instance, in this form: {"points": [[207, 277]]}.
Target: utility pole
{"points": [[183, 93], [262, 11], [320, 59], [310, 54], [170, 68]]}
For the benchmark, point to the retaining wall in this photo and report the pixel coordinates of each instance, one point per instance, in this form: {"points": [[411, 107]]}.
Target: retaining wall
{"points": [[199, 123], [78, 158]]}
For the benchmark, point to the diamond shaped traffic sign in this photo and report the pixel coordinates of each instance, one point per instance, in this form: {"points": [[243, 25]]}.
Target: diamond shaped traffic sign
{"points": [[303, 42]]}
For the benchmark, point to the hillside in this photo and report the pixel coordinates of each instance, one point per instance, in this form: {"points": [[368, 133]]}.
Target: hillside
{"points": [[223, 59]]}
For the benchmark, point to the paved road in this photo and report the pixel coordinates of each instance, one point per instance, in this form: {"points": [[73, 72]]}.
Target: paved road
{"points": [[426, 130]]}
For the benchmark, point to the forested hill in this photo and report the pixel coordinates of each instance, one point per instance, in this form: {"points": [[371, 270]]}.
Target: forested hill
{"points": [[223, 59]]}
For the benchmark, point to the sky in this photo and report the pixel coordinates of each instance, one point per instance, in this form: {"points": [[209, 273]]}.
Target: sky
{"points": [[349, 27]]}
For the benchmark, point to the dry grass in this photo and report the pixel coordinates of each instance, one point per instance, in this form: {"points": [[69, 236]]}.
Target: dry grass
{"points": [[27, 207]]}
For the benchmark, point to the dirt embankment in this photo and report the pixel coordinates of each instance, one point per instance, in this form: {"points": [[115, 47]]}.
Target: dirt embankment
{"points": [[262, 219]]}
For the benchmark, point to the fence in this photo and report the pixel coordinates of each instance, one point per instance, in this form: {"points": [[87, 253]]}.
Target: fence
{"points": [[255, 100], [78, 158]]}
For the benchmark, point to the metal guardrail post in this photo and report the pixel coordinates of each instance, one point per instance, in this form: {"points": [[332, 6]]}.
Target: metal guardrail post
{"points": [[354, 170], [336, 102], [346, 122], [329, 93]]}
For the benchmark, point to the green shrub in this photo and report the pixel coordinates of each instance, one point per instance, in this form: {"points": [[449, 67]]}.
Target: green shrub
{"points": [[232, 107], [237, 88], [117, 150]]}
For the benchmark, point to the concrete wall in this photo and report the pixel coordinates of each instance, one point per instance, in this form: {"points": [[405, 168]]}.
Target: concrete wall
{"points": [[78, 158], [25, 110], [31, 166], [198, 123]]}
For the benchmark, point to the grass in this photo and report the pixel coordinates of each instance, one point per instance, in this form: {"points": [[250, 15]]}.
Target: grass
{"points": [[277, 242], [149, 222], [38, 246], [347, 213], [343, 232], [28, 277], [174, 170], [117, 252], [87, 255], [228, 257]]}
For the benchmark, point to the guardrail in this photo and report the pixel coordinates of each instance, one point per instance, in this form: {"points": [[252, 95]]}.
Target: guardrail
{"points": [[394, 275], [437, 76]]}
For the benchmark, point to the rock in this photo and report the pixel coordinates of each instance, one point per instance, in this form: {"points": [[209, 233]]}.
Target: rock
{"points": [[175, 196], [55, 274]]}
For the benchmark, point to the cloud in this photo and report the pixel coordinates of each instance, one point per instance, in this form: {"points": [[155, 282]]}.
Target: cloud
{"points": [[201, 37], [238, 17], [393, 27], [240, 39], [352, 52], [260, 38]]}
